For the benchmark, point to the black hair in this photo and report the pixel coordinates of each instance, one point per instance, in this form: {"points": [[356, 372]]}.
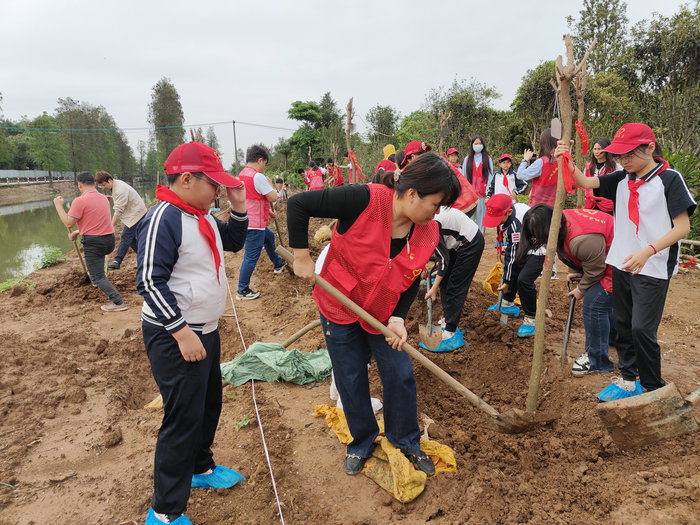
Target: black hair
{"points": [[485, 164], [610, 165], [330, 161], [547, 144], [313, 166], [428, 174], [377, 179], [256, 152], [535, 232], [657, 153], [300, 171], [174, 176], [85, 177], [278, 181], [392, 157]]}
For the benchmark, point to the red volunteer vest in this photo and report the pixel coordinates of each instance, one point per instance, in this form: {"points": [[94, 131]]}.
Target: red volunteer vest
{"points": [[468, 196], [544, 187], [257, 204], [478, 180], [337, 175], [358, 263], [315, 179], [591, 201], [581, 222]]}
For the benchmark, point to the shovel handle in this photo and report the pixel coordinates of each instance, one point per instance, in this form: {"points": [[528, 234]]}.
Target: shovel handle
{"points": [[415, 354], [80, 255]]}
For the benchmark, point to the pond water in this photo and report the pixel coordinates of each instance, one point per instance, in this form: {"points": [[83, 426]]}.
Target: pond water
{"points": [[27, 229]]}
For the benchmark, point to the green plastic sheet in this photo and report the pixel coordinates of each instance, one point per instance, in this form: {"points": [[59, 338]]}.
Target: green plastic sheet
{"points": [[273, 362]]}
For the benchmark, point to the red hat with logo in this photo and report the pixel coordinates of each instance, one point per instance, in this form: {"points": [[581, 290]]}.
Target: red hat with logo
{"points": [[496, 208], [504, 157], [452, 151], [630, 136], [196, 157], [412, 148]]}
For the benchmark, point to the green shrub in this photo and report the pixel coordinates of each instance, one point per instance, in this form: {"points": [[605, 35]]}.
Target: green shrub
{"points": [[50, 256], [689, 166]]}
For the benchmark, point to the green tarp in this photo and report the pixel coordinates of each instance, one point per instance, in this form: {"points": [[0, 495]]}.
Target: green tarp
{"points": [[272, 362]]}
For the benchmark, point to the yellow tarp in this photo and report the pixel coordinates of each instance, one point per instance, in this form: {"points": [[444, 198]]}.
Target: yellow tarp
{"points": [[493, 281], [388, 467]]}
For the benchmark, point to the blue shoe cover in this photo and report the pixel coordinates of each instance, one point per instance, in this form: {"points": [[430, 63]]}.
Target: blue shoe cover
{"points": [[220, 478], [508, 310], [152, 520], [612, 392], [448, 345], [526, 330]]}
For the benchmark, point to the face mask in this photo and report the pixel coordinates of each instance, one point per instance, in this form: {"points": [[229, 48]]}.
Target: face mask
{"points": [[478, 148]]}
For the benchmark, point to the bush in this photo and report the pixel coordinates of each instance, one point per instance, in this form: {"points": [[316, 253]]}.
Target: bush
{"points": [[50, 256], [689, 166]]}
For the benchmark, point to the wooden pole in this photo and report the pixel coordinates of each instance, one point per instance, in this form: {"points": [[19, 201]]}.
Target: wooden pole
{"points": [[348, 129], [580, 84], [565, 75]]}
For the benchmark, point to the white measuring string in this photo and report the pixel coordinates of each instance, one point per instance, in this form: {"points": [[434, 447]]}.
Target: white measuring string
{"points": [[257, 412]]}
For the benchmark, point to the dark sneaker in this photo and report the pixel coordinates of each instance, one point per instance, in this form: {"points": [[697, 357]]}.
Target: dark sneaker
{"points": [[247, 295], [422, 462], [581, 365], [280, 269], [114, 265], [111, 307], [353, 464]]}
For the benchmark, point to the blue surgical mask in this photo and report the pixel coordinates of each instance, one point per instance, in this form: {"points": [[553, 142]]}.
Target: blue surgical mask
{"points": [[478, 148]]}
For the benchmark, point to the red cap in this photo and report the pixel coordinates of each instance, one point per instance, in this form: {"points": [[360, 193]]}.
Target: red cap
{"points": [[496, 208], [412, 148], [451, 151], [196, 157], [387, 165], [630, 136], [504, 157]]}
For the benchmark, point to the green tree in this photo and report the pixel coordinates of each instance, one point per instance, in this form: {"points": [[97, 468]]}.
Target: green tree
{"points": [[211, 140], [534, 101], [606, 21], [47, 148], [419, 125], [166, 116], [383, 122], [309, 113], [141, 149], [610, 101]]}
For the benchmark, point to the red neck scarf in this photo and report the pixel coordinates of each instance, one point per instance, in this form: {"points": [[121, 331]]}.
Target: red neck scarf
{"points": [[168, 195], [633, 204], [505, 181]]}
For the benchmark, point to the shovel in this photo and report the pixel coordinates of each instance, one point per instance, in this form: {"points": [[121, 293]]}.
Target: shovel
{"points": [[80, 257], [504, 317], [567, 328], [511, 422], [647, 418], [430, 334]]}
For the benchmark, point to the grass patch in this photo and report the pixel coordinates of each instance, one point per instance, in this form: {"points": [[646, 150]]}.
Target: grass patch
{"points": [[50, 256]]}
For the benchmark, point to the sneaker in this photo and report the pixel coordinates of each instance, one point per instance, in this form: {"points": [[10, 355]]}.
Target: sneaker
{"points": [[353, 464], [508, 310], [279, 269], [114, 265], [581, 365], [247, 294], [620, 388], [446, 335], [219, 478], [526, 329], [422, 462], [376, 404], [111, 307], [152, 519]]}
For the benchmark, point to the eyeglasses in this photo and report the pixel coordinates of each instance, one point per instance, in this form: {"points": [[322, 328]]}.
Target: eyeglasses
{"points": [[625, 156], [216, 185]]}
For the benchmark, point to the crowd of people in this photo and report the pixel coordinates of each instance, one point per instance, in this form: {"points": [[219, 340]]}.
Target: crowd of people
{"points": [[621, 249]]}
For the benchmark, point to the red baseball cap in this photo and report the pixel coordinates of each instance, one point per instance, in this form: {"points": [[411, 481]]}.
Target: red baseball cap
{"points": [[386, 164], [504, 157], [451, 151], [196, 157], [630, 136], [496, 208], [412, 148]]}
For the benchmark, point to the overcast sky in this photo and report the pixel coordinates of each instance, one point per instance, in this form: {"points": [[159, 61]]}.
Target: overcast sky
{"points": [[247, 61]]}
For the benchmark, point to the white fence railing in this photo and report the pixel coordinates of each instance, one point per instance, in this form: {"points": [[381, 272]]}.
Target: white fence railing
{"points": [[33, 176]]}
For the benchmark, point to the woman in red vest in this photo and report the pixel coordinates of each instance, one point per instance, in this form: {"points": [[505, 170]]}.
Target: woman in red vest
{"points": [[583, 244], [600, 163], [478, 168], [542, 172], [383, 238], [315, 177]]}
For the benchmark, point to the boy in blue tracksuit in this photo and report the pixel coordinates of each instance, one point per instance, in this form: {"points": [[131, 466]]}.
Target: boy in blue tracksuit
{"points": [[182, 278]]}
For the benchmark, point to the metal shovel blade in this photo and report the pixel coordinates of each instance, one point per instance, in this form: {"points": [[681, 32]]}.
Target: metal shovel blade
{"points": [[504, 317], [430, 334]]}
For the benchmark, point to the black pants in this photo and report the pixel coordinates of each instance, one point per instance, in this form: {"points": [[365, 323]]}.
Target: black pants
{"points": [[191, 407], [128, 240], [524, 283], [639, 303], [96, 247], [454, 286]]}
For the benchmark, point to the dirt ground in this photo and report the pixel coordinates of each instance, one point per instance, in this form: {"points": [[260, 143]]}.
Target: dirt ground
{"points": [[76, 443], [20, 194]]}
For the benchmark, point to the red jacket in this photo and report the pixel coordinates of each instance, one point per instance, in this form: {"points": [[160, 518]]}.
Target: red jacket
{"points": [[358, 263], [582, 222]]}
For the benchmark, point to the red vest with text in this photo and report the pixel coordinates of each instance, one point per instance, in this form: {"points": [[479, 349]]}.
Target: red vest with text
{"points": [[582, 222], [337, 175], [359, 266], [477, 181], [315, 180], [544, 187], [468, 197], [592, 202], [257, 205]]}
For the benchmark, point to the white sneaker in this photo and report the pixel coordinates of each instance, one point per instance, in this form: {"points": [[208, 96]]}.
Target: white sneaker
{"points": [[111, 307], [446, 335], [376, 404], [624, 384], [334, 391]]}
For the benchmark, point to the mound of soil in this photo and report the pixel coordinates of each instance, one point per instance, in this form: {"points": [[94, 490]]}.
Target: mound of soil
{"points": [[76, 443]]}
